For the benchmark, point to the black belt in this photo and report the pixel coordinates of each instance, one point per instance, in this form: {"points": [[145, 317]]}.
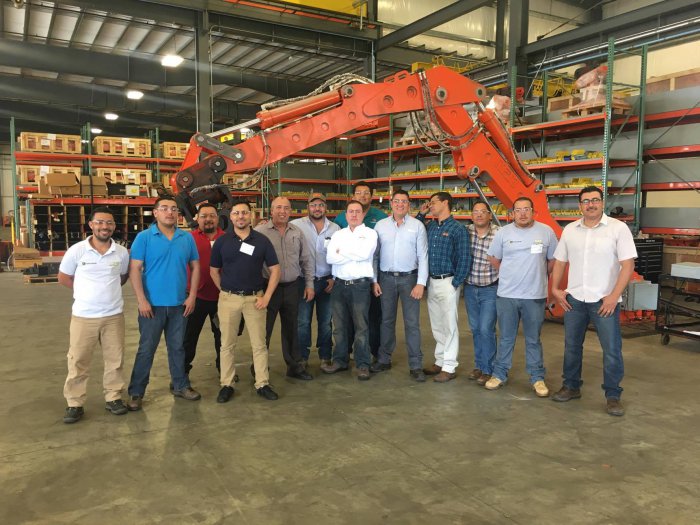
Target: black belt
{"points": [[442, 276], [324, 278], [284, 285], [495, 283], [354, 281], [401, 274], [241, 292]]}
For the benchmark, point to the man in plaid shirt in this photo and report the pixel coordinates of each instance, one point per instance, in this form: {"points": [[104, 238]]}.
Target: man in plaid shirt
{"points": [[448, 264], [480, 293]]}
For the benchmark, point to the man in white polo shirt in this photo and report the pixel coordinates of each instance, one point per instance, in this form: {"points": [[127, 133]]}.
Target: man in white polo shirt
{"points": [[95, 269], [600, 251]]}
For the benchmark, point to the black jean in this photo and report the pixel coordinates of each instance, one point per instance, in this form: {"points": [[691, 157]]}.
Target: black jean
{"points": [[285, 302], [195, 322]]}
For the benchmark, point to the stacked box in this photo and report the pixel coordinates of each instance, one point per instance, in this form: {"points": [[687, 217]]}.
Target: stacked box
{"points": [[125, 175], [121, 147], [174, 150], [49, 142], [28, 175], [674, 81]]}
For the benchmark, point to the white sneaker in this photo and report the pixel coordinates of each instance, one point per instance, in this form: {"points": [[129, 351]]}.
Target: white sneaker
{"points": [[540, 389], [493, 384]]}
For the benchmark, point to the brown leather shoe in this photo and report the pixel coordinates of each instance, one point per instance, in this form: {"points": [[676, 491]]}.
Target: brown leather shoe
{"points": [[363, 374], [333, 368], [474, 374], [432, 371], [615, 408], [134, 403], [444, 377], [566, 394], [482, 379]]}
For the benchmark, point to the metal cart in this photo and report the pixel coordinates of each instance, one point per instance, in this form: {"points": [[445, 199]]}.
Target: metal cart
{"points": [[678, 311]]}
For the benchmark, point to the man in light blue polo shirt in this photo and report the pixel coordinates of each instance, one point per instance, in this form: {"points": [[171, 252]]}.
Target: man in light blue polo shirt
{"points": [[158, 271], [523, 252]]}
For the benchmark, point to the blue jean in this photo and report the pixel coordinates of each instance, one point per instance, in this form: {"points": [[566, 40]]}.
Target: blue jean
{"points": [[510, 312], [480, 302], [168, 319], [351, 308], [393, 289], [575, 325], [324, 340]]}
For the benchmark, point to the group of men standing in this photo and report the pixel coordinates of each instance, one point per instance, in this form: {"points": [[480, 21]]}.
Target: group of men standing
{"points": [[354, 273]]}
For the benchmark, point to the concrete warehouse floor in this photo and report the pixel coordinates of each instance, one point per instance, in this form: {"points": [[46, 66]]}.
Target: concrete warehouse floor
{"points": [[335, 450]]}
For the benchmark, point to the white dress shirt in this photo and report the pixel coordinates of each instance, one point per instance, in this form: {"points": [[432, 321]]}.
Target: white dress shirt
{"points": [[351, 252], [403, 248], [594, 256]]}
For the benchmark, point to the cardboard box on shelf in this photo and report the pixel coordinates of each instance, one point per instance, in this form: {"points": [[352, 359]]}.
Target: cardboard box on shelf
{"points": [[122, 147], [63, 184], [174, 150], [49, 142], [99, 185]]}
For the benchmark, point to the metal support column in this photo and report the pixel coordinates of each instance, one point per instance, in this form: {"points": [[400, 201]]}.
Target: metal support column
{"points": [[517, 39], [640, 138], [204, 98], [607, 143], [501, 30], [13, 167]]}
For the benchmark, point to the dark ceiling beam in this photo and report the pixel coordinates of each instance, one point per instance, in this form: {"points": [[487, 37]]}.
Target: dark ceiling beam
{"points": [[632, 22], [157, 11], [452, 11], [137, 69], [404, 56]]}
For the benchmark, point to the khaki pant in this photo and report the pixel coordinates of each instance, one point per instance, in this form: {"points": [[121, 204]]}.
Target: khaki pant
{"points": [[231, 307], [85, 333]]}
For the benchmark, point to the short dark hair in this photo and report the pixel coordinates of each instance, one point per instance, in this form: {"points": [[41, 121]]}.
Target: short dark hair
{"points": [[589, 189], [100, 209], [400, 192], [206, 205], [161, 199], [524, 198], [363, 184], [484, 203], [241, 201], [353, 201], [442, 197]]}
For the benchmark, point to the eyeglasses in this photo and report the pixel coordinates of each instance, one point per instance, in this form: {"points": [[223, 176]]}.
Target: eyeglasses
{"points": [[363, 192], [594, 200], [480, 213], [236, 213], [101, 222], [399, 201], [317, 205], [165, 209], [522, 210]]}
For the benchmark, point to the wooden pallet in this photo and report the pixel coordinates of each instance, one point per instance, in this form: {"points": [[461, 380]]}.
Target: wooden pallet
{"points": [[44, 279], [49, 142], [674, 81], [584, 110], [121, 147], [410, 141]]}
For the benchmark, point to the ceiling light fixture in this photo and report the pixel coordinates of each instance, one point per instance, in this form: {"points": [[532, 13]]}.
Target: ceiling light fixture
{"points": [[95, 131], [111, 116], [171, 60], [134, 94]]}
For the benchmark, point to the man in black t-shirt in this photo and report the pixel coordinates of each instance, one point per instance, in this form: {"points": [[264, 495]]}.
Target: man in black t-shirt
{"points": [[237, 260]]}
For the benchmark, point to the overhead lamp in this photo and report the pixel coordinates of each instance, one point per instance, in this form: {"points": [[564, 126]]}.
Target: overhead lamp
{"points": [[171, 60], [134, 94], [111, 116], [245, 130], [95, 131]]}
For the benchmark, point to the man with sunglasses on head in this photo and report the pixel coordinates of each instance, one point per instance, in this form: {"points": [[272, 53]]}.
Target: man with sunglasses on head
{"points": [[160, 257], [523, 253], [402, 258], [600, 251], [95, 269]]}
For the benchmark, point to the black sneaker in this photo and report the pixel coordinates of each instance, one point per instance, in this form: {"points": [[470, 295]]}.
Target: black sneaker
{"points": [[418, 375], [73, 414], [225, 394], [267, 393], [116, 407]]}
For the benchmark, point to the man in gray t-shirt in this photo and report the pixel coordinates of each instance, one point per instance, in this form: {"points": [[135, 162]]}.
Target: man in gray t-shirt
{"points": [[523, 252]]}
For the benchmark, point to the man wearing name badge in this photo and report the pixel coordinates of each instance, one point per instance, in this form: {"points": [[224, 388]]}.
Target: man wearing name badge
{"points": [[403, 274], [237, 260], [317, 230], [295, 266], [95, 269], [600, 251], [362, 193], [160, 257], [480, 293], [448, 264], [351, 253], [206, 304], [523, 253]]}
